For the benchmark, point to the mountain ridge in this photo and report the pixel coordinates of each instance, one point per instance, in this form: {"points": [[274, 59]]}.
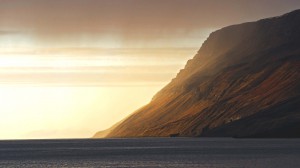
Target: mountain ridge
{"points": [[243, 72]]}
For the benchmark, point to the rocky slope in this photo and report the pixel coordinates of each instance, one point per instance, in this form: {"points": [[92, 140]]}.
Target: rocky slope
{"points": [[243, 82]]}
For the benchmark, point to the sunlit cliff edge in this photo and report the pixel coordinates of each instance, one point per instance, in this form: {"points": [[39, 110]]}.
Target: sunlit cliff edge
{"points": [[243, 82]]}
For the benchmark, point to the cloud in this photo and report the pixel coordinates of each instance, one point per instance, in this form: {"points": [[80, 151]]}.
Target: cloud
{"points": [[129, 21], [92, 66], [115, 78], [4, 32], [73, 32]]}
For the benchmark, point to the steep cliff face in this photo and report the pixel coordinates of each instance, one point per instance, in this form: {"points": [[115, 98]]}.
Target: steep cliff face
{"points": [[243, 82]]}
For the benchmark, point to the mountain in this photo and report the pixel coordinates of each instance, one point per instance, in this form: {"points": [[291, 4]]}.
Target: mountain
{"points": [[243, 82]]}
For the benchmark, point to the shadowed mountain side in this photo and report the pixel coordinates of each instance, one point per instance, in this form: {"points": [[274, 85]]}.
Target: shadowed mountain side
{"points": [[285, 122], [243, 82]]}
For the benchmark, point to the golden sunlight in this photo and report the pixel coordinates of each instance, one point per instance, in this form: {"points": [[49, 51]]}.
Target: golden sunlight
{"points": [[65, 112], [74, 92]]}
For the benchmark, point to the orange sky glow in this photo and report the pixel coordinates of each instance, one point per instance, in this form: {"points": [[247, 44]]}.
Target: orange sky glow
{"points": [[69, 68]]}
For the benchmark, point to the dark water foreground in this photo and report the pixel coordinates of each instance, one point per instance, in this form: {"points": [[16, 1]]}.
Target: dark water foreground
{"points": [[151, 152]]}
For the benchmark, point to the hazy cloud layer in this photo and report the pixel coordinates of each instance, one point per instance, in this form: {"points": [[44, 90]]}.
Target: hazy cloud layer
{"points": [[131, 21], [92, 66], [113, 42]]}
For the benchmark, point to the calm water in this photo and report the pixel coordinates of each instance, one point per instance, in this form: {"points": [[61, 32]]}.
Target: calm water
{"points": [[152, 152]]}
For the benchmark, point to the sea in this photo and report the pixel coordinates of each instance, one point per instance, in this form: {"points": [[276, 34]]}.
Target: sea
{"points": [[152, 152]]}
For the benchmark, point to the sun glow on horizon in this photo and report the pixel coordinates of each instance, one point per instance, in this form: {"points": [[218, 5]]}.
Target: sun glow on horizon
{"points": [[73, 93], [65, 112]]}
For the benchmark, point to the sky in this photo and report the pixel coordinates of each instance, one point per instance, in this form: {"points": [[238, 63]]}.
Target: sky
{"points": [[69, 68]]}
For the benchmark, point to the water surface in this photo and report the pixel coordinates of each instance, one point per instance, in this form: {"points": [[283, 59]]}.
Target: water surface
{"points": [[151, 152]]}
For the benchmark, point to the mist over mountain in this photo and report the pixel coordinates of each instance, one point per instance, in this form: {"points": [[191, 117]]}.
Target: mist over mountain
{"points": [[243, 82]]}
